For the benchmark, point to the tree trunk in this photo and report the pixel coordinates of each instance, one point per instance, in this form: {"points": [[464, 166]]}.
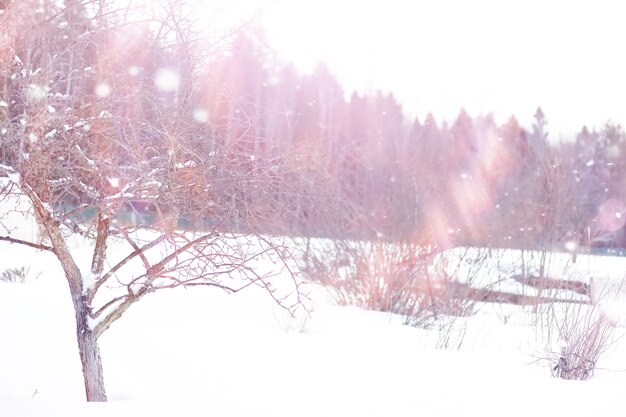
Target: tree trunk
{"points": [[92, 366], [88, 348], [90, 358], [87, 341]]}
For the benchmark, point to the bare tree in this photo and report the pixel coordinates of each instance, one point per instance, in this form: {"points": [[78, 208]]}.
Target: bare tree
{"points": [[99, 133]]}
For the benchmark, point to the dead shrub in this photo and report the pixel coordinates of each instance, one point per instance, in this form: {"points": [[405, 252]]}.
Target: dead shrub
{"points": [[402, 278], [15, 275], [585, 334]]}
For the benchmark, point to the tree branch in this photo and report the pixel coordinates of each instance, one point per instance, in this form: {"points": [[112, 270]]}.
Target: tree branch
{"points": [[137, 252], [26, 243]]}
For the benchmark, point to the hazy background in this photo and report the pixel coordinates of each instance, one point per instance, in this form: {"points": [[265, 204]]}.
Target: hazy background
{"points": [[485, 56]]}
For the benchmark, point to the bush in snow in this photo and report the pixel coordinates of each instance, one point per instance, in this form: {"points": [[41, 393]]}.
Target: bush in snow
{"points": [[402, 278], [585, 335], [14, 275]]}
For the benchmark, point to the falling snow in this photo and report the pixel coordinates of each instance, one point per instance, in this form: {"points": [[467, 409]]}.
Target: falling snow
{"points": [[200, 115], [167, 80], [103, 90]]}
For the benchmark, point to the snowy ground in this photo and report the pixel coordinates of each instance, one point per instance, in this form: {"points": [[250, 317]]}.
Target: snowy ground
{"points": [[201, 352]]}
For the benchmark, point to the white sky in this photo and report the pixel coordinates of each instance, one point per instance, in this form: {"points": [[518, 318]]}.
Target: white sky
{"points": [[507, 57]]}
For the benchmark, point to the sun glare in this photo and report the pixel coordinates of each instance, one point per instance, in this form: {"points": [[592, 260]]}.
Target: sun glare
{"points": [[484, 56]]}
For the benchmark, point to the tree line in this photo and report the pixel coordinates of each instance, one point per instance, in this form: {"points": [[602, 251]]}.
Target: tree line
{"points": [[358, 167], [239, 139]]}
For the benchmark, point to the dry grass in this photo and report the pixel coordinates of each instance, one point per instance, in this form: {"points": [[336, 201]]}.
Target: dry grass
{"points": [[15, 275], [586, 336], [402, 278]]}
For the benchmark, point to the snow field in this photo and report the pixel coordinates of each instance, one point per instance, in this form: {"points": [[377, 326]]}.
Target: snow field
{"points": [[202, 352]]}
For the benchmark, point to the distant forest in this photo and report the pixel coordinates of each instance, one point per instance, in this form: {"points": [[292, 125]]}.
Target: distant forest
{"points": [[336, 164], [360, 167]]}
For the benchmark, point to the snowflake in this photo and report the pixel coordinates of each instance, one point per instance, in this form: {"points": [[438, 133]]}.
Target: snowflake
{"points": [[103, 90], [200, 115], [167, 80]]}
